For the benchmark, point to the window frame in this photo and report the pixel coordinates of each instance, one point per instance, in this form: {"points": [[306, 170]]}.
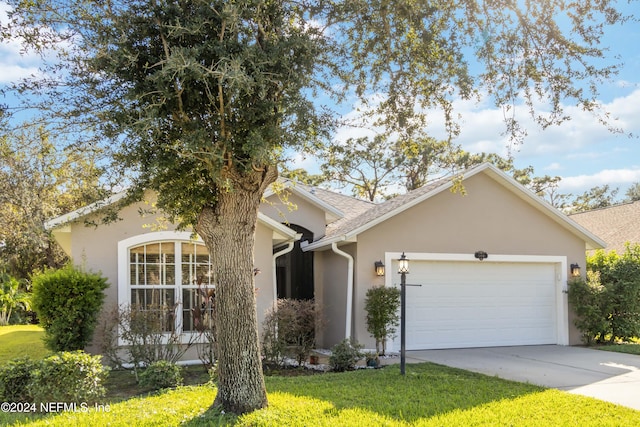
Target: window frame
{"points": [[177, 238]]}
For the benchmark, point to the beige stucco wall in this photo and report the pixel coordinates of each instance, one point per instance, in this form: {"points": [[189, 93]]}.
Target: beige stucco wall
{"points": [[96, 249], [298, 211], [333, 292], [488, 218]]}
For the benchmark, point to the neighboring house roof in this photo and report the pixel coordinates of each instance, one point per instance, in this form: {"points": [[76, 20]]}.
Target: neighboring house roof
{"points": [[616, 225], [348, 230]]}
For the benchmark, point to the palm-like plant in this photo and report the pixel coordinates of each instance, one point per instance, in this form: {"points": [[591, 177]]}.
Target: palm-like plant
{"points": [[11, 296]]}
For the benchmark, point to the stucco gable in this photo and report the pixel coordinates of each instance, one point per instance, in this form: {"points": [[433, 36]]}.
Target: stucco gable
{"points": [[348, 231]]}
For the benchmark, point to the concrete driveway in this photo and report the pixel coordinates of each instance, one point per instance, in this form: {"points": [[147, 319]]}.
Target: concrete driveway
{"points": [[613, 377]]}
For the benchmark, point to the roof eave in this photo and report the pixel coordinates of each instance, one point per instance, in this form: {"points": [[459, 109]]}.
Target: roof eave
{"points": [[591, 240], [331, 212], [83, 211], [281, 233]]}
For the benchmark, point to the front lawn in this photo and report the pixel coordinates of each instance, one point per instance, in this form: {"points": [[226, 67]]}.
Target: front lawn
{"points": [[629, 348], [21, 340], [429, 395]]}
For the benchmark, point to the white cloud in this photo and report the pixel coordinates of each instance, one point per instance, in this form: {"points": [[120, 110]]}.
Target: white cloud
{"points": [[4, 10], [13, 62], [12, 72], [613, 177], [16, 62], [578, 134], [301, 161]]}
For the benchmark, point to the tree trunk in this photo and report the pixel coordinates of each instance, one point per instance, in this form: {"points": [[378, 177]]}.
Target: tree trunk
{"points": [[228, 230]]}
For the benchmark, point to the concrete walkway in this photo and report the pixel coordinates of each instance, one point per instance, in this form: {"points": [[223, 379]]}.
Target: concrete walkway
{"points": [[613, 377]]}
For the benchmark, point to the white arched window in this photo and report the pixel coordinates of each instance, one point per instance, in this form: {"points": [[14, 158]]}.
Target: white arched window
{"points": [[167, 272]]}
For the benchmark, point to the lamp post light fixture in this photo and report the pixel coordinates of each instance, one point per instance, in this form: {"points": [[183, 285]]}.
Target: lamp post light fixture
{"points": [[403, 270], [379, 268], [575, 270]]}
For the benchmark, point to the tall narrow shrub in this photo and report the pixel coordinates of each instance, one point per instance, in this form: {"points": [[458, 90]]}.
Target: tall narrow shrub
{"points": [[67, 302], [381, 304]]}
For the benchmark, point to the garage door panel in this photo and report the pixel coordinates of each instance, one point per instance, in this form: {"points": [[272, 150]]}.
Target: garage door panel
{"points": [[472, 304]]}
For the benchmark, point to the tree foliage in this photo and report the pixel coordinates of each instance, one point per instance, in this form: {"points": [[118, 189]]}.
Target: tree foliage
{"points": [[201, 99], [367, 165], [378, 168], [633, 193], [607, 305], [39, 180], [597, 197]]}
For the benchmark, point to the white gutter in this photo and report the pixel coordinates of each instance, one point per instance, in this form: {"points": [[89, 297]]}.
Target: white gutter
{"points": [[274, 277], [334, 247]]}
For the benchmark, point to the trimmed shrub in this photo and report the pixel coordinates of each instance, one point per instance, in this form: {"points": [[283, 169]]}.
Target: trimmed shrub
{"points": [[608, 304], [15, 377], [381, 304], [289, 331], [590, 305], [69, 377], [67, 302], [345, 355], [161, 374]]}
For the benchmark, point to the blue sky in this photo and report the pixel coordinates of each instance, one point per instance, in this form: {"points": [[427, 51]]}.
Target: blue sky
{"points": [[581, 151]]}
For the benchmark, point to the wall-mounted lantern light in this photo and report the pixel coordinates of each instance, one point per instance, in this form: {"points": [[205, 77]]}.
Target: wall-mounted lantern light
{"points": [[379, 268], [575, 270], [481, 255]]}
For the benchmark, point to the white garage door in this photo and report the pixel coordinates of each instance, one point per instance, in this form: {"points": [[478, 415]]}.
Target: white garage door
{"points": [[480, 304]]}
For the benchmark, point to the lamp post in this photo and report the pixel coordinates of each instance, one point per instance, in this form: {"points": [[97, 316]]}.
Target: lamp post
{"points": [[403, 270]]}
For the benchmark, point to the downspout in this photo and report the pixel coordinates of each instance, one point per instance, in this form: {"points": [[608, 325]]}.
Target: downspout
{"points": [[334, 247], [274, 279]]}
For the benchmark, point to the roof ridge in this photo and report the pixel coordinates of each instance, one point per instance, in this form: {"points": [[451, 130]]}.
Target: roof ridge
{"points": [[616, 205]]}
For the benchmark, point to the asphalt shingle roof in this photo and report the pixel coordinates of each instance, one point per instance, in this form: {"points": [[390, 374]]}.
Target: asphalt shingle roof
{"points": [[616, 225], [365, 214], [349, 206]]}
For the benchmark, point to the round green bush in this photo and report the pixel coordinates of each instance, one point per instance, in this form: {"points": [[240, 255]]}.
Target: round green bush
{"points": [[161, 374], [69, 377], [67, 302], [15, 377], [345, 355]]}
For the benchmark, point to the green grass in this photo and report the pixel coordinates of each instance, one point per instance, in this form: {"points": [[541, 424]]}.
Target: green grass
{"points": [[21, 340], [429, 395], [629, 348]]}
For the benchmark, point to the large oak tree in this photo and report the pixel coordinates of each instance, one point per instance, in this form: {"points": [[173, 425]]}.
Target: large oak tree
{"points": [[202, 98]]}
